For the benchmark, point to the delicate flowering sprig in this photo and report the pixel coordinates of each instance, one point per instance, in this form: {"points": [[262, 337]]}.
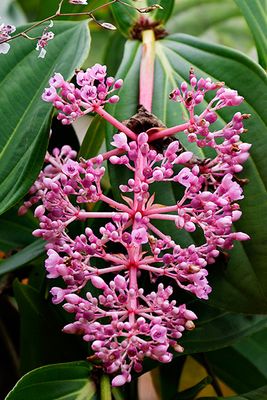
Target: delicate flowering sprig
{"points": [[7, 30], [72, 102], [123, 322], [43, 41]]}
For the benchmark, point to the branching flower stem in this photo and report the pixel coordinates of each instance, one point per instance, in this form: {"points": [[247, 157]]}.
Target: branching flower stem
{"points": [[58, 14]]}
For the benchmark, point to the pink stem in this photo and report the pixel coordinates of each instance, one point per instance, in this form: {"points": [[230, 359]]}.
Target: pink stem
{"points": [[157, 232], [161, 210], [168, 132], [108, 154], [163, 216], [117, 268], [155, 270], [113, 121], [84, 214], [115, 204], [146, 85]]}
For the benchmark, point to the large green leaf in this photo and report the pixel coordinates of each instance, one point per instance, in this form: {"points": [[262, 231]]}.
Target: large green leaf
{"points": [[241, 285], [255, 13], [126, 17], [24, 256], [258, 394], [192, 392], [246, 358], [41, 339], [25, 118], [217, 329], [221, 22], [15, 231], [11, 12], [68, 381]]}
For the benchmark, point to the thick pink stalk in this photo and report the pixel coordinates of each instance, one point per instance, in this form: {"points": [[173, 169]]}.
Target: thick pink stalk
{"points": [[115, 204], [160, 210], [146, 84], [84, 214], [168, 132], [113, 121], [108, 154]]}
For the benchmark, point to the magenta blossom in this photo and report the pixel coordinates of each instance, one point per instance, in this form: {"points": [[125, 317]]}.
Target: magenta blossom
{"points": [[124, 322]]}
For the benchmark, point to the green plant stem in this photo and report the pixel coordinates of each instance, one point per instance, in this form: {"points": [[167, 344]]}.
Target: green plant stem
{"points": [[116, 392], [215, 384], [105, 388]]}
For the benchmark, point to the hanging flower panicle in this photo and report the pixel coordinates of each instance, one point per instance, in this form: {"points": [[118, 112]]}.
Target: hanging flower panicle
{"points": [[119, 318]]}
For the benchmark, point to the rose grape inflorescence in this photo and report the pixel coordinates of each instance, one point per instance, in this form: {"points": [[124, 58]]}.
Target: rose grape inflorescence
{"points": [[124, 322]]}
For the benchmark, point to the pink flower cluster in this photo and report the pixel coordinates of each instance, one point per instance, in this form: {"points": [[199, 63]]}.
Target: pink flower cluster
{"points": [[123, 322], [5, 33], [72, 102]]}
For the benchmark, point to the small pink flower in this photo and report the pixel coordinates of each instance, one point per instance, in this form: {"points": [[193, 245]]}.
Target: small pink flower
{"points": [[43, 41], [158, 333], [81, 2], [139, 236], [50, 94], [5, 33], [120, 141], [71, 168], [98, 72], [185, 177]]}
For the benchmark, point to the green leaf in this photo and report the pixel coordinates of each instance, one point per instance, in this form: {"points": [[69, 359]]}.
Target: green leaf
{"points": [[42, 341], [25, 118], [11, 13], [168, 378], [16, 231], [258, 394], [221, 22], [93, 139], [217, 329], [247, 358], [191, 393], [68, 381], [23, 257], [255, 14], [126, 17]]}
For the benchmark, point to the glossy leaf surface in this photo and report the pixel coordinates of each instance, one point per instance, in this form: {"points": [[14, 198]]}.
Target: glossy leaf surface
{"points": [[246, 358], [255, 13], [25, 118], [68, 381], [24, 256], [41, 338], [221, 22], [258, 394], [15, 231]]}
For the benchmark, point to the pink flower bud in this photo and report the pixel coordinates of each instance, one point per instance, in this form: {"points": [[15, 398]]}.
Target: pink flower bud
{"points": [[113, 99], [119, 380], [98, 282]]}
